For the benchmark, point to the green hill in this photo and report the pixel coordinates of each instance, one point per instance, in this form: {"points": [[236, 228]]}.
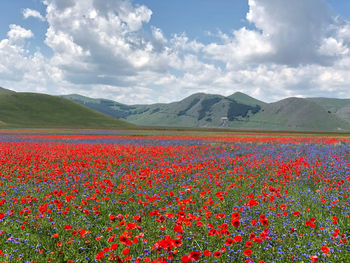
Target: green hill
{"points": [[4, 91], [295, 114], [339, 107], [236, 111], [246, 99], [197, 110], [40, 110]]}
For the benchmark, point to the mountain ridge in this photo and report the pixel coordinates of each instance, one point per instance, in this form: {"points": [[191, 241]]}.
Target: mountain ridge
{"points": [[238, 110]]}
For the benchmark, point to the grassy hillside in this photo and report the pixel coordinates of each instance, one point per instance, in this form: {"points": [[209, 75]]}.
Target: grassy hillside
{"points": [[197, 110], [39, 110], [340, 107], [109, 107], [295, 114], [241, 111], [246, 99], [4, 91]]}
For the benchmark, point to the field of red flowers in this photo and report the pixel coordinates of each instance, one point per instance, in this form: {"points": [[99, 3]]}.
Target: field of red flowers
{"points": [[89, 198]]}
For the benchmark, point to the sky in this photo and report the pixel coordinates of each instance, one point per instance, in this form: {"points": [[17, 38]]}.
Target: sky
{"points": [[150, 51]]}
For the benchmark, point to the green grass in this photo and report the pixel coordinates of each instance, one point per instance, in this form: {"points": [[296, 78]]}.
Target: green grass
{"points": [[45, 111]]}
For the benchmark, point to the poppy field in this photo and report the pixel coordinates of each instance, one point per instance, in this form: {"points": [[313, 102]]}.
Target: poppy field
{"points": [[99, 198]]}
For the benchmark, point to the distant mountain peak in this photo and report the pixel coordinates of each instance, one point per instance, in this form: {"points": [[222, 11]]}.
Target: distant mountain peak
{"points": [[239, 93], [245, 99]]}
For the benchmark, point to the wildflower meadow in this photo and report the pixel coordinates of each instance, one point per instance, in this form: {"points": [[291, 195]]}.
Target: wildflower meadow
{"points": [[99, 198]]}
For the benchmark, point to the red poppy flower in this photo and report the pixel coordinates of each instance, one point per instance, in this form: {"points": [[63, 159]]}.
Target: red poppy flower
{"points": [[195, 255], [249, 244], [235, 223], [237, 238], [217, 254], [114, 246], [325, 249], [296, 213], [100, 255], [314, 258], [229, 242], [247, 252], [178, 229], [185, 259]]}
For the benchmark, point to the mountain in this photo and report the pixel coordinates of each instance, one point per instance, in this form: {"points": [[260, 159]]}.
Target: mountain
{"points": [[236, 111], [197, 110], [246, 99], [296, 114], [40, 110], [339, 107]]}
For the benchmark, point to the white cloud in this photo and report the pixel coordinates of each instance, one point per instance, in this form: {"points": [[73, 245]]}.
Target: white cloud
{"points": [[18, 33], [245, 46], [158, 35], [102, 48], [22, 70], [333, 47], [294, 28], [98, 41], [32, 13], [13, 55], [287, 32]]}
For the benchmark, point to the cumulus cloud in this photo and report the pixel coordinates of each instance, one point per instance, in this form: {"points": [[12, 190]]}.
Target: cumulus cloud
{"points": [[18, 33], [102, 48], [286, 32], [13, 56], [22, 70], [32, 13], [294, 28], [59, 5], [243, 47], [98, 41], [333, 47]]}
